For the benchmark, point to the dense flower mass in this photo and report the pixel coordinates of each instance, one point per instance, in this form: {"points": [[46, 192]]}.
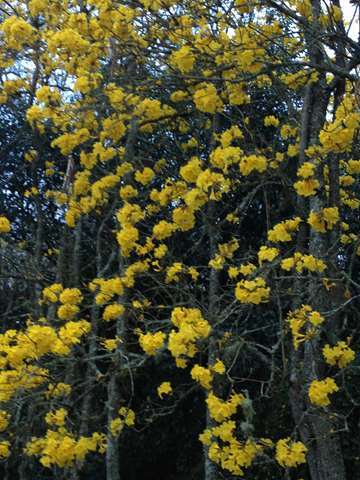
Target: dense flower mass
{"points": [[179, 238]]}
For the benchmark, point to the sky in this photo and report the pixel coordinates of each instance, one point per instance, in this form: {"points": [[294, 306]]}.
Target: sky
{"points": [[348, 11]]}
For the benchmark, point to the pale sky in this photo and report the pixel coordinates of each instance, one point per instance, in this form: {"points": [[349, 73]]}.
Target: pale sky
{"points": [[348, 11]]}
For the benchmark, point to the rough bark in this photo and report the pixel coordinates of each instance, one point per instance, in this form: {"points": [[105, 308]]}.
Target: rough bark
{"points": [[325, 459]]}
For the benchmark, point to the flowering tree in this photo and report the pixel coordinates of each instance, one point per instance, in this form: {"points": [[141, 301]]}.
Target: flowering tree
{"points": [[191, 169]]}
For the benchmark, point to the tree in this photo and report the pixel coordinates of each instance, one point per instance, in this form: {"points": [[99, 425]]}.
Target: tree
{"points": [[191, 168]]}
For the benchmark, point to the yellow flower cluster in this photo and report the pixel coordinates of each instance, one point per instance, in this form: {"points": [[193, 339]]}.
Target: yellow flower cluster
{"points": [[251, 163], [4, 449], [204, 375], [304, 324], [164, 388], [341, 354], [290, 454], [191, 328], [307, 187], [230, 454], [214, 183], [58, 390], [338, 135], [70, 298], [57, 417], [151, 342], [69, 335], [106, 288], [206, 98], [224, 157], [324, 220], [25, 378], [221, 410], [252, 291], [52, 292], [128, 235], [183, 59], [60, 448], [113, 311], [306, 170], [267, 254], [184, 218], [126, 417], [173, 271], [283, 230], [18, 348], [145, 176], [163, 230], [130, 213], [4, 420], [17, 32], [320, 390], [226, 252], [271, 120], [5, 225], [303, 262], [191, 170]]}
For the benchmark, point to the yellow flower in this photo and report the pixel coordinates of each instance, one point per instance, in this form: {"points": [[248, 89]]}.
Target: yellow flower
{"points": [[164, 388], [341, 354], [304, 323], [71, 296], [183, 59], [67, 311], [252, 291], [267, 254], [219, 409], [172, 272], [4, 420], [202, 375], [128, 416], [160, 251], [151, 342], [113, 311], [306, 170], [191, 170], [324, 220], [271, 120], [206, 99], [163, 230], [320, 390], [4, 449], [184, 218], [145, 176], [307, 188], [283, 230], [252, 163], [289, 453], [127, 238], [5, 225], [57, 417], [128, 192], [218, 367], [58, 390]]}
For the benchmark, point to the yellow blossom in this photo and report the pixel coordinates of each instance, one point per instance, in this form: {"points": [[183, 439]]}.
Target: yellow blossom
{"points": [[164, 389], [5, 225], [320, 390], [289, 453], [341, 354]]}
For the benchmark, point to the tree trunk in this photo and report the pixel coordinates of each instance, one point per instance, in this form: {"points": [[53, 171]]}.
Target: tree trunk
{"points": [[325, 459]]}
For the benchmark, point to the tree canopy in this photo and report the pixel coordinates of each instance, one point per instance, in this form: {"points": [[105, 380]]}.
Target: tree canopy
{"points": [[179, 240]]}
